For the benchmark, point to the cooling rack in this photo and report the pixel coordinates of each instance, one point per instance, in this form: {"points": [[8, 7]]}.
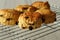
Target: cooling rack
{"points": [[15, 33]]}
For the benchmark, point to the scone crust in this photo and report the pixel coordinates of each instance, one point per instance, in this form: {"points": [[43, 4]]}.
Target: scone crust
{"points": [[20, 7]]}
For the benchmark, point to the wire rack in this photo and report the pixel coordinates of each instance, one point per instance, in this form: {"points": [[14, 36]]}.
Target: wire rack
{"points": [[15, 33]]}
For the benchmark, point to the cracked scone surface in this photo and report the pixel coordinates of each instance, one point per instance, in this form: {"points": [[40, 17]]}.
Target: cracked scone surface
{"points": [[48, 15], [8, 16], [30, 20]]}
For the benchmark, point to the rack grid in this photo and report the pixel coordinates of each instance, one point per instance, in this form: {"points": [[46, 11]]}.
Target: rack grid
{"points": [[15, 33]]}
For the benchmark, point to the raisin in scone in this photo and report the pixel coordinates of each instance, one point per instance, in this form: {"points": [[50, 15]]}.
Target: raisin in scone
{"points": [[30, 20], [48, 16], [8, 16], [41, 4]]}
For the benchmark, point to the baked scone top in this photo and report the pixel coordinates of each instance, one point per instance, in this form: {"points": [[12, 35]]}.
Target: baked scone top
{"points": [[44, 11], [31, 15], [23, 8], [40, 4]]}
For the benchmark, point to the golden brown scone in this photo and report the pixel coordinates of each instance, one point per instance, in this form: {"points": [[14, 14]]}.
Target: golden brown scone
{"points": [[48, 15], [40, 4], [8, 16], [23, 8], [30, 20]]}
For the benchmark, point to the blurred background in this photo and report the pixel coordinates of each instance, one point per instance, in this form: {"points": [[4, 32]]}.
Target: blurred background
{"points": [[13, 3]]}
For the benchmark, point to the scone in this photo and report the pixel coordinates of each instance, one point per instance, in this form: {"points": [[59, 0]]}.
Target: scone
{"points": [[23, 8], [40, 4], [8, 16], [48, 16], [30, 20]]}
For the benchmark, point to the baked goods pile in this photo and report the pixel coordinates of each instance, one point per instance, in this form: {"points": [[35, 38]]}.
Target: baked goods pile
{"points": [[28, 16]]}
